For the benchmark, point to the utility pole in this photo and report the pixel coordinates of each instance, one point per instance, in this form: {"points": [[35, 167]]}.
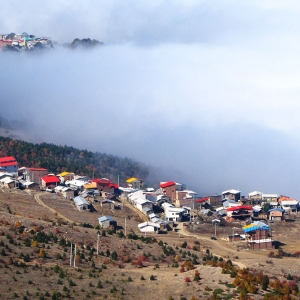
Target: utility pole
{"points": [[98, 242], [71, 254], [125, 226], [193, 214], [215, 229], [75, 257]]}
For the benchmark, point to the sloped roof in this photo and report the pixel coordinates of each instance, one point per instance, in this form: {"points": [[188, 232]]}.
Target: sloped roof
{"points": [[92, 185], [6, 159], [255, 193], [256, 226], [201, 200], [233, 208], [101, 181], [277, 209], [132, 179], [51, 179], [167, 184], [145, 224], [80, 201], [7, 180], [232, 191], [8, 164], [106, 218], [62, 188], [63, 174]]}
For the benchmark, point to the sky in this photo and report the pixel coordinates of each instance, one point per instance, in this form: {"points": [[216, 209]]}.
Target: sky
{"points": [[207, 92]]}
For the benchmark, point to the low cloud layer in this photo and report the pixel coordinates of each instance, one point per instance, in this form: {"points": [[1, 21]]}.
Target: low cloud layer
{"points": [[208, 92]]}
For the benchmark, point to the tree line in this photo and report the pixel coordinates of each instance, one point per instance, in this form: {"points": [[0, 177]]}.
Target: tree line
{"points": [[58, 159]]}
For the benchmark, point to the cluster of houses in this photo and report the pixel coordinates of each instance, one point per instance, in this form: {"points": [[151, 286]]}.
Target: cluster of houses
{"points": [[171, 202], [24, 41]]}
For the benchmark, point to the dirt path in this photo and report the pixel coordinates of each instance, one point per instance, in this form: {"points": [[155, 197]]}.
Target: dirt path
{"points": [[38, 200], [215, 244]]}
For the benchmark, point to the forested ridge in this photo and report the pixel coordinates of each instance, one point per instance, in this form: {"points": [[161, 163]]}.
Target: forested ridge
{"points": [[58, 159]]}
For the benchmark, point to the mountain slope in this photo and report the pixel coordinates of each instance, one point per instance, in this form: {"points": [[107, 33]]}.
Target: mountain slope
{"points": [[65, 158]]}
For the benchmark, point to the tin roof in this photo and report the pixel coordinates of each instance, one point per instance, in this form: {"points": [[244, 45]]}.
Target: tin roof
{"points": [[167, 184], [51, 179], [105, 218]]}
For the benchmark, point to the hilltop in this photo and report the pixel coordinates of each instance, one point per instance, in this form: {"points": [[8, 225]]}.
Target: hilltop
{"points": [[58, 159]]}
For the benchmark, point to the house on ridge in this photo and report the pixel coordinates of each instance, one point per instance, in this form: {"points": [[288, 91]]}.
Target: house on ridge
{"points": [[9, 164], [231, 195], [33, 174], [50, 181], [135, 183], [81, 203], [107, 222]]}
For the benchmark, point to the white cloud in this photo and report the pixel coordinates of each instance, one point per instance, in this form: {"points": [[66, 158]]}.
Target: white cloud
{"points": [[207, 86]]}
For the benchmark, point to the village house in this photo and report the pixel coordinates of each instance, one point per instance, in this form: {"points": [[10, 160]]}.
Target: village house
{"points": [[288, 204], [50, 181], [149, 227], [135, 183], [9, 164], [185, 198], [200, 203], [66, 176], [270, 197], [64, 191], [105, 185], [257, 236], [29, 185], [173, 213], [170, 188], [77, 183], [81, 203], [231, 203], [240, 212], [145, 206], [8, 182], [231, 195], [107, 222], [215, 200], [33, 174], [90, 186], [255, 197], [276, 214]]}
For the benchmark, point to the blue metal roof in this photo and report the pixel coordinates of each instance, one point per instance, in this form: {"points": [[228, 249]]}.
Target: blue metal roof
{"points": [[277, 208]]}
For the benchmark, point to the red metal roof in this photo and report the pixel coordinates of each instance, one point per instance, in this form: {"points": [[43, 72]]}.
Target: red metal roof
{"points": [[51, 179], [7, 159], [169, 183], [233, 208], [102, 181], [8, 164], [113, 185], [37, 169], [201, 200]]}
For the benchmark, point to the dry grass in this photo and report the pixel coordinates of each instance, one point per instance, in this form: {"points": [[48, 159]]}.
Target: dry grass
{"points": [[169, 281]]}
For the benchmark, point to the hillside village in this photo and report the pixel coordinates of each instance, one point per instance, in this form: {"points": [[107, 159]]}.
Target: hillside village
{"points": [[168, 208], [17, 42], [24, 41]]}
